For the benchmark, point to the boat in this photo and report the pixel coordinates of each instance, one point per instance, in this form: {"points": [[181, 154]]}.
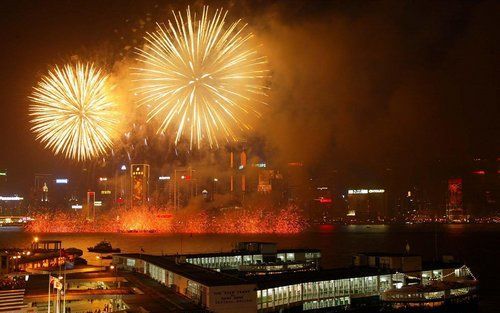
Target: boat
{"points": [[104, 247]]}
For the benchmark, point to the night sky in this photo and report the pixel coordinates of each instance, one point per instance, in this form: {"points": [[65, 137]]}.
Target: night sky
{"points": [[356, 84]]}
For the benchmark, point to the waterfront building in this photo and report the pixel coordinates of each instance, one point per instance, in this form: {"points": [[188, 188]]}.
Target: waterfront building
{"points": [[258, 258], [206, 283]]}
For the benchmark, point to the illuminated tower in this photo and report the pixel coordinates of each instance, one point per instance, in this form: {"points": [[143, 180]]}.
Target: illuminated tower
{"points": [[139, 174], [454, 209], [243, 164], [45, 192]]}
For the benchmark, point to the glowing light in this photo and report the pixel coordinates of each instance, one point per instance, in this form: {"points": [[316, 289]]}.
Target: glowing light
{"points": [[260, 165], [376, 191], [324, 200], [73, 113], [164, 178], [357, 191], [479, 172], [201, 77], [103, 179], [288, 220], [77, 206], [11, 198], [123, 168], [62, 181]]}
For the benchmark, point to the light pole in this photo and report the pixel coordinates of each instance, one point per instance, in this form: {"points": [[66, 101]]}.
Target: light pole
{"points": [[215, 188]]}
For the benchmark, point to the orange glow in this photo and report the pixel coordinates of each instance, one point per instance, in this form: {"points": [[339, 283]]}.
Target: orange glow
{"points": [[288, 220]]}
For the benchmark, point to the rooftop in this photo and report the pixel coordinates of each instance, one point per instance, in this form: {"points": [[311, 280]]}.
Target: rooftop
{"points": [[389, 254], [204, 276], [245, 252]]}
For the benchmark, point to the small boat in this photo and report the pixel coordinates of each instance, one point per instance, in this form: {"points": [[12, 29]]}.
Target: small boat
{"points": [[104, 247]]}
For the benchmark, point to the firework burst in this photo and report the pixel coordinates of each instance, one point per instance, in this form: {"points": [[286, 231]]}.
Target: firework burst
{"points": [[201, 78], [73, 113]]}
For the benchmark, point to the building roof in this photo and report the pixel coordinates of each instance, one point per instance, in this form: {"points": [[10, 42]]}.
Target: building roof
{"points": [[389, 254], [245, 252], [434, 265], [196, 273]]}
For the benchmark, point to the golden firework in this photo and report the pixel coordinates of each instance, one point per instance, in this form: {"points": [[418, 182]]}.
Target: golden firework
{"points": [[201, 77], [73, 112]]}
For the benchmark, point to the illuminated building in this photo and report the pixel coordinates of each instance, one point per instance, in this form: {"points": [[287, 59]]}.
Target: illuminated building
{"points": [[366, 204], [90, 205], [164, 190], [454, 207], [185, 186], [220, 282], [298, 183], [139, 175], [105, 190], [321, 204], [481, 187], [43, 184], [3, 180]]}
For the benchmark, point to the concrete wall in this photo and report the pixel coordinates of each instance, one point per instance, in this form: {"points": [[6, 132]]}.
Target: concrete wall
{"points": [[230, 299]]}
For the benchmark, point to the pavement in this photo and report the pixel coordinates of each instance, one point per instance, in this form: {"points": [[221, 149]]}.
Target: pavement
{"points": [[158, 298], [138, 291]]}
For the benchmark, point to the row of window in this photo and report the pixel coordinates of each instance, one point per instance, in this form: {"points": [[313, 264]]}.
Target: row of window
{"points": [[277, 296], [233, 261], [326, 303]]}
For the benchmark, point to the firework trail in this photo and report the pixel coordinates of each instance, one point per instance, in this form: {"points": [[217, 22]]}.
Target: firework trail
{"points": [[201, 77], [73, 112]]}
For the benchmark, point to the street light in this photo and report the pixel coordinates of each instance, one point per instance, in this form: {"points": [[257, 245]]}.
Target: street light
{"points": [[115, 272], [215, 188]]}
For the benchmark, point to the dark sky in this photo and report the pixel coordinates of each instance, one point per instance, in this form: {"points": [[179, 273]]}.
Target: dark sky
{"points": [[356, 84]]}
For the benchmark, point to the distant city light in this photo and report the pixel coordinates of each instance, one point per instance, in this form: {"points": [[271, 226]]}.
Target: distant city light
{"points": [[98, 203], [260, 165], [364, 191], [11, 198], [324, 200], [3, 173], [322, 188], [105, 192], [357, 191], [123, 168], [480, 172], [164, 178], [216, 179], [61, 181], [241, 167], [103, 179], [77, 206]]}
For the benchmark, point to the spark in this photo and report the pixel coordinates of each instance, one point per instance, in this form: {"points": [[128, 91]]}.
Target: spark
{"points": [[202, 78], [73, 113]]}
